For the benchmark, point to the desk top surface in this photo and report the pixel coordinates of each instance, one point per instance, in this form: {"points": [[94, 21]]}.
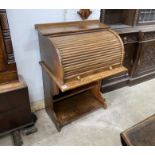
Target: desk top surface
{"points": [[11, 86], [142, 134], [69, 27]]}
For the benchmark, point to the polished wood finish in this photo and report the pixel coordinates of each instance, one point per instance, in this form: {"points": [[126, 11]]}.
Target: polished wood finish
{"points": [[8, 70], [75, 57], [142, 134], [15, 110], [8, 76], [11, 86], [85, 80], [77, 53], [69, 109], [60, 29], [139, 47], [140, 42]]}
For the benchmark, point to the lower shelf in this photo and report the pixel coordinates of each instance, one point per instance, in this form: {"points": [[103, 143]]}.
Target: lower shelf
{"points": [[76, 106]]}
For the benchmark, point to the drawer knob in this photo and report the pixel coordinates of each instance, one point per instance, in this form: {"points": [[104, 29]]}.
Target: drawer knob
{"points": [[78, 77], [110, 67], [125, 38]]}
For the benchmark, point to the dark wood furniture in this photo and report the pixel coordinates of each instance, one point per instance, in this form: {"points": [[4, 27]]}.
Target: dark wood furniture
{"points": [[119, 17], [8, 70], [15, 109], [142, 134], [15, 112], [75, 56], [137, 30]]}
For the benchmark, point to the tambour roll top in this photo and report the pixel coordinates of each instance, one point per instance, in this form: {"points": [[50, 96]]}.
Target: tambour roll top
{"points": [[78, 53]]}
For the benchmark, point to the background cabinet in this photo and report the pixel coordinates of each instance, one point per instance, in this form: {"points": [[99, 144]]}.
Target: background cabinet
{"points": [[8, 70], [146, 58], [137, 31], [15, 112]]}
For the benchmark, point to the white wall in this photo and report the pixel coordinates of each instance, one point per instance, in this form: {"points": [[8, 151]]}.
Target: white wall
{"points": [[25, 42]]}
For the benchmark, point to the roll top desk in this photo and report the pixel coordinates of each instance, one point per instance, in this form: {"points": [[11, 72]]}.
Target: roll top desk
{"points": [[75, 57]]}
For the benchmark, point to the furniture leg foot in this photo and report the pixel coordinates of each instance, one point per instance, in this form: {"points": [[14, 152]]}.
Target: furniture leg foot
{"points": [[17, 139], [29, 130], [96, 92]]}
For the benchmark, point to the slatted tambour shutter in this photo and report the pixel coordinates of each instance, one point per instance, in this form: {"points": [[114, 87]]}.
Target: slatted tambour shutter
{"points": [[88, 53]]}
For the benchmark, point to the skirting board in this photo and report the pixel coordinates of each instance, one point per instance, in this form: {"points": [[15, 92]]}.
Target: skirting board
{"points": [[38, 105]]}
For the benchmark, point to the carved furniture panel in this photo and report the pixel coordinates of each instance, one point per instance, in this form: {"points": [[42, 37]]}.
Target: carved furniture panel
{"points": [[8, 70], [146, 62], [139, 43]]}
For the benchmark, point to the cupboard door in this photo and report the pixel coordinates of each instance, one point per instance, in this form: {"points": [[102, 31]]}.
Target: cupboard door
{"points": [[146, 61]]}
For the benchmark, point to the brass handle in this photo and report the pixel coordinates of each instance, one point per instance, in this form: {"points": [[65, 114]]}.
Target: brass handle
{"points": [[78, 78], [110, 67], [125, 39]]}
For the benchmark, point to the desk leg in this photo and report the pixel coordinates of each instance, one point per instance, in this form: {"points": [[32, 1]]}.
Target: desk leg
{"points": [[96, 92], [17, 139]]}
